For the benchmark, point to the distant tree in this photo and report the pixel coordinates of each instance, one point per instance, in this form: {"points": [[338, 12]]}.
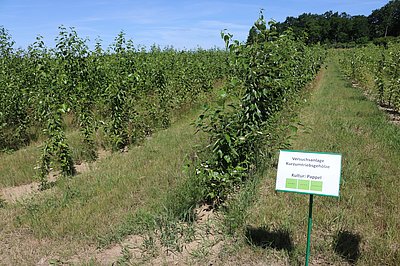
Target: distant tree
{"points": [[340, 27], [359, 29], [311, 25], [386, 20]]}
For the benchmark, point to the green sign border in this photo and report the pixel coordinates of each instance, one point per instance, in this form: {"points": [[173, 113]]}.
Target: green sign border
{"points": [[310, 193]]}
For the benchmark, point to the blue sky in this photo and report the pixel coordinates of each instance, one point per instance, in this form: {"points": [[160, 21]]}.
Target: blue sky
{"points": [[182, 24]]}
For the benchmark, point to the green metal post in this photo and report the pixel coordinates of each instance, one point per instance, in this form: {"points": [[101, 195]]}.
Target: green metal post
{"points": [[309, 228]]}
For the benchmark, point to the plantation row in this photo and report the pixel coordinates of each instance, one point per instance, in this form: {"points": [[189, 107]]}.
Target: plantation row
{"points": [[122, 93], [378, 69], [265, 76]]}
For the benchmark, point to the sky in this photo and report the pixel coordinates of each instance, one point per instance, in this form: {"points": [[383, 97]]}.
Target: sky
{"points": [[183, 24]]}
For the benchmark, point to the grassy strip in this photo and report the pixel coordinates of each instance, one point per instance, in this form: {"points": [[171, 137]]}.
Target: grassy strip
{"points": [[361, 226], [17, 168], [94, 204]]}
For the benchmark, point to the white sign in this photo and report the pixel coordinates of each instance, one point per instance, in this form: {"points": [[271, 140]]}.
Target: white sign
{"points": [[309, 172]]}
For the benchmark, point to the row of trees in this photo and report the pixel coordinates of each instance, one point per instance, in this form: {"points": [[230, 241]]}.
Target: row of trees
{"points": [[264, 77], [333, 27], [121, 93], [377, 69]]}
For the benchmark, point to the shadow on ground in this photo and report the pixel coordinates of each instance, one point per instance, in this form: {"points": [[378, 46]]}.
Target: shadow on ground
{"points": [[347, 245], [262, 237]]}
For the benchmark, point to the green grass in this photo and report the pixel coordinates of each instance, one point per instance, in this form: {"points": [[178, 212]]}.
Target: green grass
{"points": [[18, 168], [94, 204], [362, 225]]}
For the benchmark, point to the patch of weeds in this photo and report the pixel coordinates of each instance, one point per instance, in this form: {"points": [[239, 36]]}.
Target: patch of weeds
{"points": [[296, 256], [200, 253], [149, 243], [91, 262], [173, 233], [126, 256], [141, 222], [3, 203], [56, 262], [236, 209], [204, 250], [181, 203]]}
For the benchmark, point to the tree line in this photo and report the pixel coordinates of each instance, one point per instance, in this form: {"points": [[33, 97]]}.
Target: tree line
{"points": [[334, 27]]}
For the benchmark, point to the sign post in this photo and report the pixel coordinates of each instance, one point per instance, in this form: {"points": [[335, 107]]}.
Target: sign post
{"points": [[313, 173], [309, 229]]}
